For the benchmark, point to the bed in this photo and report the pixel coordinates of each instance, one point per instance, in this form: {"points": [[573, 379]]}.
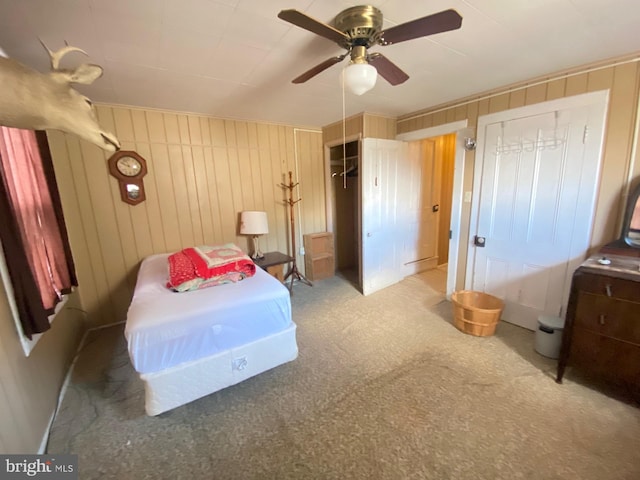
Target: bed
{"points": [[190, 344]]}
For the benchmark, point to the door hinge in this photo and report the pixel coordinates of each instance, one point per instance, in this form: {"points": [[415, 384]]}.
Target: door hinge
{"points": [[585, 133], [450, 234]]}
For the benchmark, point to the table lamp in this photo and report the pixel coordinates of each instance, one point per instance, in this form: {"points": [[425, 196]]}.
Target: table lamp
{"points": [[255, 224]]}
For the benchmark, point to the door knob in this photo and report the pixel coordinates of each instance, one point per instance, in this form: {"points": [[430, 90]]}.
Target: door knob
{"points": [[479, 241]]}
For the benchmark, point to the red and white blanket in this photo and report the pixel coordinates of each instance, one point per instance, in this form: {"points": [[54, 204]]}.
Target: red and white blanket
{"points": [[207, 266]]}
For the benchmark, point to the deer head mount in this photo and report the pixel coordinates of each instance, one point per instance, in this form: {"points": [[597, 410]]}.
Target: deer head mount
{"points": [[46, 101]]}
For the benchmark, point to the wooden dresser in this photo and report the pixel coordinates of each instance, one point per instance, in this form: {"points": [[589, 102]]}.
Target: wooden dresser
{"points": [[602, 329]]}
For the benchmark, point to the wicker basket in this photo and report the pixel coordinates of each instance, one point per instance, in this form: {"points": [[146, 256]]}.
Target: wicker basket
{"points": [[476, 313]]}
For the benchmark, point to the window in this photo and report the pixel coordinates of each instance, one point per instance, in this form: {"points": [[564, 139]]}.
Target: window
{"points": [[33, 234]]}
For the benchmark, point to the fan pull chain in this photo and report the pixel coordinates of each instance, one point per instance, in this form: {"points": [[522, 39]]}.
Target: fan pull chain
{"points": [[344, 138]]}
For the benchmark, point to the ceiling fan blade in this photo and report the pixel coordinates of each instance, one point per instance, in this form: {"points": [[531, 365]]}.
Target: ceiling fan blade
{"points": [[421, 27], [301, 20], [318, 68], [387, 69]]}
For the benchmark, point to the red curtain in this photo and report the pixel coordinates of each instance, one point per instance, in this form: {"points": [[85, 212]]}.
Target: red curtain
{"points": [[33, 233]]}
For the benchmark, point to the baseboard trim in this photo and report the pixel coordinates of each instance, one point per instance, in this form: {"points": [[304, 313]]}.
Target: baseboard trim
{"points": [[420, 266]]}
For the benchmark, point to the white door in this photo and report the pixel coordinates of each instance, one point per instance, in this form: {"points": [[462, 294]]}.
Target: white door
{"points": [[382, 216], [535, 191]]}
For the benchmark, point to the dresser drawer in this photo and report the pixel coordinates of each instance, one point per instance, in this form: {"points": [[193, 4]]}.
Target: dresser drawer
{"points": [[611, 359], [609, 287], [614, 318]]}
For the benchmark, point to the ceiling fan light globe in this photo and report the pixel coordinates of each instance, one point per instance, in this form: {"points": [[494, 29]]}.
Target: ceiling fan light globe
{"points": [[360, 77]]}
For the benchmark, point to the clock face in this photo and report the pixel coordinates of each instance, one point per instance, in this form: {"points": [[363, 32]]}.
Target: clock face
{"points": [[128, 166]]}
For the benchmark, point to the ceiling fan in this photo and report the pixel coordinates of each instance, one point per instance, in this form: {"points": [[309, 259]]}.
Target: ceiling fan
{"points": [[358, 28]]}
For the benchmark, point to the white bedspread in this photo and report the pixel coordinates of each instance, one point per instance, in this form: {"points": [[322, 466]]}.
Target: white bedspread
{"points": [[166, 328]]}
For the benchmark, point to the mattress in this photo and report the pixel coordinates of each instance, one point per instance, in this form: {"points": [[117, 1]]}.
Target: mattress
{"points": [[165, 329]]}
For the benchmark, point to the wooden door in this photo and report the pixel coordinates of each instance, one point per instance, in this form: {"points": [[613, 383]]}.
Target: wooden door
{"points": [[423, 183]]}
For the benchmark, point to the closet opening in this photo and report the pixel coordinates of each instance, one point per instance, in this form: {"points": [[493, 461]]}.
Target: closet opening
{"points": [[345, 191]]}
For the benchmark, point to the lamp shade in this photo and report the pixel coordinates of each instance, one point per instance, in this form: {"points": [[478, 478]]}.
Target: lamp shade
{"points": [[253, 223], [360, 77]]}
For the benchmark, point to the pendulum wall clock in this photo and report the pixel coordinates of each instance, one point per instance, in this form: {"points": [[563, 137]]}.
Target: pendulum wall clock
{"points": [[129, 168]]}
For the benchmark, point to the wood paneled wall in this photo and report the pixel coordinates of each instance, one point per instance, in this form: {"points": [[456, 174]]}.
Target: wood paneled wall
{"points": [[203, 172], [30, 386], [335, 133], [377, 126], [620, 76], [366, 124]]}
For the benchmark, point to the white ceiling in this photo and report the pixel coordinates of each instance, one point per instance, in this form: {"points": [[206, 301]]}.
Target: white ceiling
{"points": [[236, 59]]}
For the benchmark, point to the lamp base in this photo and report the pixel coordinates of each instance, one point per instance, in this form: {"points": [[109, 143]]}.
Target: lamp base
{"points": [[257, 253]]}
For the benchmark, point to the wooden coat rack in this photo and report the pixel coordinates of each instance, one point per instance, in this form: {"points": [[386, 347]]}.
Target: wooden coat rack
{"points": [[293, 272]]}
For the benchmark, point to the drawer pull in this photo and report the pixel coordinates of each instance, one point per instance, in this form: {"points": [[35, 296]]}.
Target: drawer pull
{"points": [[602, 318], [607, 288]]}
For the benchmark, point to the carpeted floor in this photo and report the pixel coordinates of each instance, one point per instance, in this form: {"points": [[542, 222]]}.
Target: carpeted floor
{"points": [[384, 388]]}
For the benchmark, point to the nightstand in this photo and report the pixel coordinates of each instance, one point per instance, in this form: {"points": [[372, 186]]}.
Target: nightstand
{"points": [[273, 263]]}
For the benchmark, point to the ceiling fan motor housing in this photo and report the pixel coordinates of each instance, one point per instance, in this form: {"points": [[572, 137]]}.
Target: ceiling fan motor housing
{"points": [[361, 24]]}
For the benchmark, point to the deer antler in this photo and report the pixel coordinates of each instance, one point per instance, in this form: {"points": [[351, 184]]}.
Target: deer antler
{"points": [[57, 55]]}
